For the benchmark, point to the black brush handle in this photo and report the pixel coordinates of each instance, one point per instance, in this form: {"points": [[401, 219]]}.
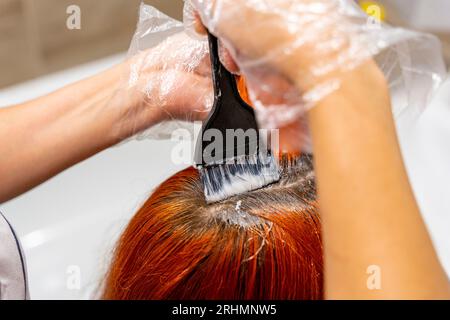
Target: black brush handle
{"points": [[229, 111]]}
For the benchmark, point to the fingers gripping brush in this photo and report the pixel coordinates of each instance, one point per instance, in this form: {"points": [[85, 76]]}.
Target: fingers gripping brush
{"points": [[230, 155]]}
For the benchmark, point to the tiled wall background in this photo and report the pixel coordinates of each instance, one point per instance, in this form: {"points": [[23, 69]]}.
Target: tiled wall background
{"points": [[34, 39]]}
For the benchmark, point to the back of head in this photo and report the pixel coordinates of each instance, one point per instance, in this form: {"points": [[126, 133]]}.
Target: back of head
{"points": [[261, 245]]}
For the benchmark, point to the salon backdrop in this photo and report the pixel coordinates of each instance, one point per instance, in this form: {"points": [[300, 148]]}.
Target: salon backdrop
{"points": [[68, 226]]}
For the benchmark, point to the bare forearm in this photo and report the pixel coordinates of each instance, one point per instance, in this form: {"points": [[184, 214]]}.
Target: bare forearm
{"points": [[45, 136], [370, 216]]}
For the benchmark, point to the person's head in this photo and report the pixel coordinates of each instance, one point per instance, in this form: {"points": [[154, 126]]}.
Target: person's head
{"points": [[265, 244]]}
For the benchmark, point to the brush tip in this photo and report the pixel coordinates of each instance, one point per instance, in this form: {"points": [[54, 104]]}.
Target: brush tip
{"points": [[223, 181]]}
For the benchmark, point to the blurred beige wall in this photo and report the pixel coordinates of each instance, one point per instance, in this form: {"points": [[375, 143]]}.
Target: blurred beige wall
{"points": [[34, 39]]}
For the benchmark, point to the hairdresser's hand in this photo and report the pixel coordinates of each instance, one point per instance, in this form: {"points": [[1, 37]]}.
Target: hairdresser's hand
{"points": [[285, 49], [170, 81], [294, 38]]}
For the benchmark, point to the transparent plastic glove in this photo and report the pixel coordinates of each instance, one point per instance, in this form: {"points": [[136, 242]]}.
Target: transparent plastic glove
{"points": [[167, 78], [293, 52]]}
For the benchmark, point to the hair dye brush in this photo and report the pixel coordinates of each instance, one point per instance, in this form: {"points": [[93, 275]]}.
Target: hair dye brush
{"points": [[231, 156]]}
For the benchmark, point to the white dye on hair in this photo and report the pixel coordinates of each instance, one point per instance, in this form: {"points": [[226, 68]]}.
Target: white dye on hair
{"points": [[249, 173]]}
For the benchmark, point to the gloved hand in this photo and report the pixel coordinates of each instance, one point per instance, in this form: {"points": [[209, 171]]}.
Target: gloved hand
{"points": [[290, 53], [305, 41], [171, 81], [294, 53]]}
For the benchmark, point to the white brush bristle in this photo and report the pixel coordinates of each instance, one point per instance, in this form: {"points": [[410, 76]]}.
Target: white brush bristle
{"points": [[222, 181]]}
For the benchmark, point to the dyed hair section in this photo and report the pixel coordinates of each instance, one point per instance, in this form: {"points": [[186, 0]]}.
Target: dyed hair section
{"points": [[265, 244]]}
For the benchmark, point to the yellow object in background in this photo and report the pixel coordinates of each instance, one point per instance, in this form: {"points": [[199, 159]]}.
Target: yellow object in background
{"points": [[374, 9]]}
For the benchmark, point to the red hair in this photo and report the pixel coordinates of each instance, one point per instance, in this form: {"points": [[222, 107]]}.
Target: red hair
{"points": [[262, 245]]}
